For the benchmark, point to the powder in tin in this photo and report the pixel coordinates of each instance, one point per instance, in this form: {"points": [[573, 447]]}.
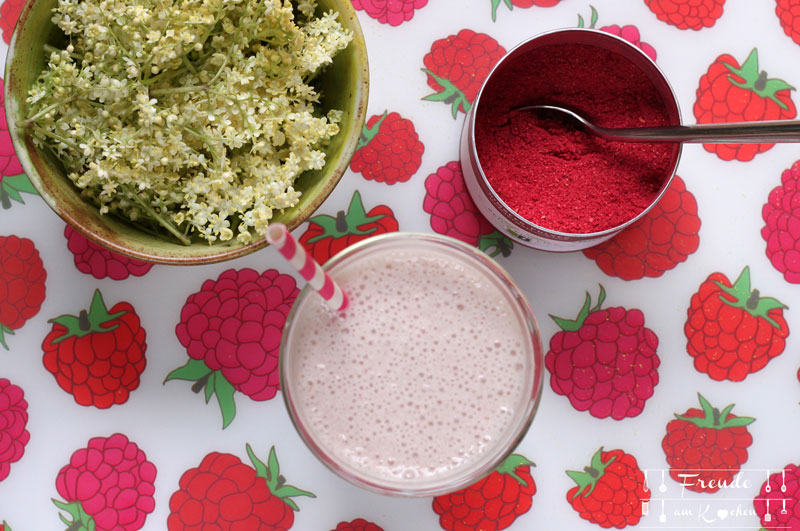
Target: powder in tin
{"points": [[552, 172]]}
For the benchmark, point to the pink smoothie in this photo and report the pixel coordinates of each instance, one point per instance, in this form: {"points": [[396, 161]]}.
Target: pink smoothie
{"points": [[424, 379]]}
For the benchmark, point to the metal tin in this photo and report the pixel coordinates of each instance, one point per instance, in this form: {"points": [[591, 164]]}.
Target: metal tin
{"points": [[490, 204]]}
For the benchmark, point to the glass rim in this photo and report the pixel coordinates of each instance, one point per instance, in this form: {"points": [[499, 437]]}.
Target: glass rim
{"points": [[515, 434]]}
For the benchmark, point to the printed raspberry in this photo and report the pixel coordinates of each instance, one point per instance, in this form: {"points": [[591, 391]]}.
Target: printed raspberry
{"points": [[457, 66], [523, 4], [13, 420], [107, 486], [232, 329], [13, 182], [781, 214], [493, 502], [453, 213], [4, 526], [610, 492], [629, 33], [97, 356], [9, 14], [705, 448], [359, 524], [732, 93], [658, 242], [788, 12], [327, 235], [22, 278], [778, 503], [733, 331], [9, 163], [604, 361], [95, 260], [225, 494], [687, 14], [389, 149], [392, 12]]}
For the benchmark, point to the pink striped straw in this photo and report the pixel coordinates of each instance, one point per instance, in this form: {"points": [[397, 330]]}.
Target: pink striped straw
{"points": [[309, 269]]}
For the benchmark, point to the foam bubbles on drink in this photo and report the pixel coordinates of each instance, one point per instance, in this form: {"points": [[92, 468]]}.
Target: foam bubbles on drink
{"points": [[420, 376]]}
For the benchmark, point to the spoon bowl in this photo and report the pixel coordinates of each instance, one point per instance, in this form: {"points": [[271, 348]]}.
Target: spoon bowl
{"points": [[722, 133]]}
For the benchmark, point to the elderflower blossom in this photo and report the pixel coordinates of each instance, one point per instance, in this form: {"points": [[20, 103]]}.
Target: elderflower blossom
{"points": [[191, 116]]}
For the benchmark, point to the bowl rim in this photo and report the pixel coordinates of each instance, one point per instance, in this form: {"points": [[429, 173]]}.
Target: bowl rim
{"points": [[202, 253]]}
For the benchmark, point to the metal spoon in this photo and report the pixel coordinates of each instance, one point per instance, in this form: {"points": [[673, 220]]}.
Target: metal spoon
{"points": [[732, 132]]}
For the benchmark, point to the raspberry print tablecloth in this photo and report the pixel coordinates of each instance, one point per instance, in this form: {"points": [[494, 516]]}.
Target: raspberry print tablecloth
{"points": [[120, 410]]}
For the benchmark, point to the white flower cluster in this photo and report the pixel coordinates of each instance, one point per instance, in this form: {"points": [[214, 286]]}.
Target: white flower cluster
{"points": [[193, 115]]}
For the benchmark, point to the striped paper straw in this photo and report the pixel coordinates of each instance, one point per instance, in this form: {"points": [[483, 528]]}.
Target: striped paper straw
{"points": [[309, 269]]}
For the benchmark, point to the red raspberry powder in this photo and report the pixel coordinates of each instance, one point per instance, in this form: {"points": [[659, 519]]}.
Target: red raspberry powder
{"points": [[552, 172]]}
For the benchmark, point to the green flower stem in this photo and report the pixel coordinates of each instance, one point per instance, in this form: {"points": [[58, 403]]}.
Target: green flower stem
{"points": [[45, 132], [49, 49], [54, 106], [164, 222], [177, 90]]}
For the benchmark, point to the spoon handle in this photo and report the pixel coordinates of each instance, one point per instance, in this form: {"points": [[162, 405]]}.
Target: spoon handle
{"points": [[721, 133]]}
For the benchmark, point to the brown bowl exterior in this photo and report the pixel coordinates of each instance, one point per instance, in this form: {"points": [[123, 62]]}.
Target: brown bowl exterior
{"points": [[344, 85]]}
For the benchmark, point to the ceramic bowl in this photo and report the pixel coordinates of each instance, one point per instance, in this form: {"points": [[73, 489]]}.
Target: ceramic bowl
{"points": [[344, 85]]}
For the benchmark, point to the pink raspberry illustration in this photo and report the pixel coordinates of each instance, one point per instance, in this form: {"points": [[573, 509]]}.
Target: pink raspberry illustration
{"points": [[604, 361], [778, 503], [392, 12], [9, 13], [629, 33], [107, 486], [457, 66], [232, 329], [389, 149], [13, 181], [13, 419], [22, 283], [96, 260], [781, 213], [453, 213]]}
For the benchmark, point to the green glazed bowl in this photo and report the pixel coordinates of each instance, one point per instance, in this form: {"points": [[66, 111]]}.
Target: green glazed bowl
{"points": [[344, 85]]}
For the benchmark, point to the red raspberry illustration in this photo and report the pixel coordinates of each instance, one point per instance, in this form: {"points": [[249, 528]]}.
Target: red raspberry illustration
{"points": [[687, 14], [9, 13], [788, 12], [392, 12], [457, 66], [359, 524], [610, 491], [705, 448], [781, 213], [658, 242], [225, 494], [778, 503], [22, 277], [732, 93], [604, 361], [389, 149], [523, 4], [107, 486], [731, 330], [629, 33], [453, 213], [13, 182], [493, 502], [13, 420], [4, 526], [97, 356], [98, 261], [326, 235], [232, 329]]}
